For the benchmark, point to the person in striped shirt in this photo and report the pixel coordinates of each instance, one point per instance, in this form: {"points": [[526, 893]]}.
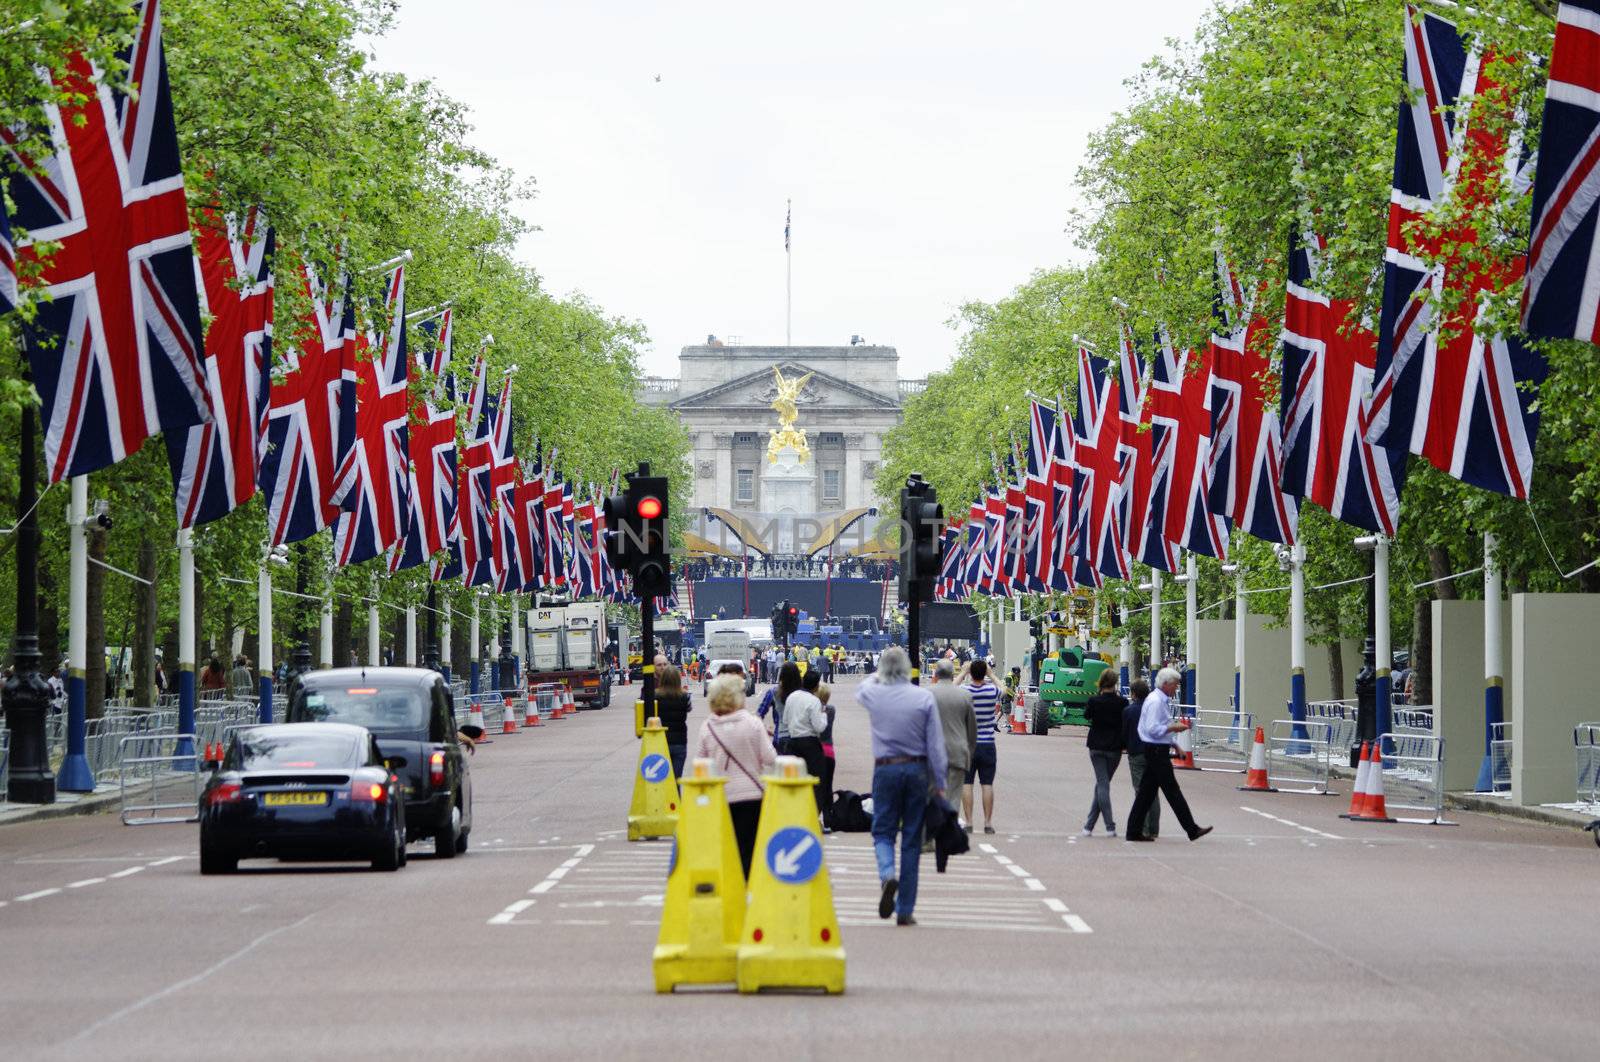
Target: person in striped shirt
{"points": [[985, 704]]}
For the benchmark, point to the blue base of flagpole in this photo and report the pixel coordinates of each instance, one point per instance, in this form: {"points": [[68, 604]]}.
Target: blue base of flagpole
{"points": [[75, 775], [264, 712], [1189, 685], [1297, 711], [1493, 713], [472, 677], [494, 674], [186, 701]]}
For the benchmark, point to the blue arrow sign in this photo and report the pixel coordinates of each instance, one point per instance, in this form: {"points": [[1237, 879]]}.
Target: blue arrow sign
{"points": [[655, 767], [794, 855]]}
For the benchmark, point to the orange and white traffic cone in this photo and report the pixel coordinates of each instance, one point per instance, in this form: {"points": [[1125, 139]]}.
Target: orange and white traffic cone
{"points": [[1183, 759], [1255, 778], [475, 713], [1358, 792], [530, 713], [569, 706], [1375, 809], [509, 725]]}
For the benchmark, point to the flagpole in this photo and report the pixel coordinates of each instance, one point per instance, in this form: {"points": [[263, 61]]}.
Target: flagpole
{"points": [[788, 278]]}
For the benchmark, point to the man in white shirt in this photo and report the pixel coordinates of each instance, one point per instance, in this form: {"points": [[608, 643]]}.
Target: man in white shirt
{"points": [[1156, 727]]}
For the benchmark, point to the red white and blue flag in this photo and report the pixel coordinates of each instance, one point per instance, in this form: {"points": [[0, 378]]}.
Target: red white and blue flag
{"points": [[116, 347], [553, 539], [214, 465], [1562, 298], [1465, 403], [478, 550], [373, 486], [1328, 360], [8, 264], [1246, 440], [1044, 425], [504, 477], [1143, 542], [311, 417], [1097, 471], [1180, 442]]}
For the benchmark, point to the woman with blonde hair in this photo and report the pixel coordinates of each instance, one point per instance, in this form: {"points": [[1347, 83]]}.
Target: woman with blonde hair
{"points": [[736, 743]]}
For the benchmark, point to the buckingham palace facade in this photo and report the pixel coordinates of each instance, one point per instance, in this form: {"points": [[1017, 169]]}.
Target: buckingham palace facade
{"points": [[724, 392]]}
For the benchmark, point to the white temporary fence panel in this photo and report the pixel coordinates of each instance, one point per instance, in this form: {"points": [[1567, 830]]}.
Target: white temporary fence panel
{"points": [[1222, 740], [1586, 748], [160, 779], [1500, 758]]}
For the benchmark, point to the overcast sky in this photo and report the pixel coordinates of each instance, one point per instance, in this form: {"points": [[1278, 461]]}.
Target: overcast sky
{"points": [[929, 149]]}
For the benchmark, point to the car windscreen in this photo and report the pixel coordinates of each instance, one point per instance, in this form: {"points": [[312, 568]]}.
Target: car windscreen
{"points": [[392, 710], [277, 749]]}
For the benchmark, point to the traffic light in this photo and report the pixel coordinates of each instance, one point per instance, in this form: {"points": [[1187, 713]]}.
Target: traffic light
{"points": [[791, 618], [921, 540], [636, 533]]}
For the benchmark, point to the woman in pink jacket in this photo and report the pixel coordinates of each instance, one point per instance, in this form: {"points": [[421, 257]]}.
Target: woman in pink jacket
{"points": [[737, 743]]}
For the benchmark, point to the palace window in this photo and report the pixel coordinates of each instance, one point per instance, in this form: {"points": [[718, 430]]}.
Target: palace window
{"points": [[745, 488], [830, 484]]}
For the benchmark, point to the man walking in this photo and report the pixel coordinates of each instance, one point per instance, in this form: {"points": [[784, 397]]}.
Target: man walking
{"points": [[959, 722], [240, 681], [1138, 690], [908, 755], [985, 702], [1156, 727]]}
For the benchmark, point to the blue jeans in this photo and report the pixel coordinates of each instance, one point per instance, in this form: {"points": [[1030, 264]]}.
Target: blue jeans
{"points": [[899, 799]]}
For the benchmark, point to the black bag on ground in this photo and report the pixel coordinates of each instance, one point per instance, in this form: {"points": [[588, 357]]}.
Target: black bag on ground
{"points": [[845, 813]]}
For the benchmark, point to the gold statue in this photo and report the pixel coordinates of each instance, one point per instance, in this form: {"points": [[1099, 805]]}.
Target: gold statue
{"points": [[786, 434]]}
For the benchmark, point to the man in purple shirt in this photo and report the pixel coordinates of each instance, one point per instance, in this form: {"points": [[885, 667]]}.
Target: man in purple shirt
{"points": [[908, 754]]}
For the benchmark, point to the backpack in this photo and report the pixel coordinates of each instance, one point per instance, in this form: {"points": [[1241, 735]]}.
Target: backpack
{"points": [[845, 813]]}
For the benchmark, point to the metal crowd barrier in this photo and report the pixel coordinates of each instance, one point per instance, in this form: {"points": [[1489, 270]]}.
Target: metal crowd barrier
{"points": [[216, 720], [1586, 747], [104, 737], [544, 698], [1300, 755], [158, 783], [1500, 758], [1220, 743], [1340, 718], [1417, 719], [1413, 775], [5, 763]]}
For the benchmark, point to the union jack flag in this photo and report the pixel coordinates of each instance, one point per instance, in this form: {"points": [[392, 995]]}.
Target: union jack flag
{"points": [[8, 264], [214, 466], [977, 534], [444, 499], [116, 350], [1328, 360], [529, 499], [1562, 298], [504, 476], [373, 487], [1457, 402], [1180, 443], [1039, 552], [311, 417], [1246, 439], [1097, 471], [478, 548], [1137, 458], [950, 586], [430, 523], [555, 550]]}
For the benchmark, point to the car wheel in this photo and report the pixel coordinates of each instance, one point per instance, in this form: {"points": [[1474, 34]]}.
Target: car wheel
{"points": [[461, 843], [446, 840], [214, 862], [393, 857]]}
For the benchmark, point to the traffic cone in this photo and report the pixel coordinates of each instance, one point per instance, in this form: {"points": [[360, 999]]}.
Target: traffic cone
{"points": [[1255, 778], [703, 910], [569, 706], [1375, 809], [508, 723], [654, 809], [1181, 760], [1358, 792], [530, 714], [791, 933]]}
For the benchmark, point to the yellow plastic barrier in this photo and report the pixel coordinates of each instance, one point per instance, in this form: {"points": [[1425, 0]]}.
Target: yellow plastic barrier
{"points": [[704, 906], [654, 810], [791, 935]]}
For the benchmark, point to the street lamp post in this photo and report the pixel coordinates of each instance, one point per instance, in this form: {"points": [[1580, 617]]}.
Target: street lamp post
{"points": [[26, 695], [432, 661], [301, 661]]}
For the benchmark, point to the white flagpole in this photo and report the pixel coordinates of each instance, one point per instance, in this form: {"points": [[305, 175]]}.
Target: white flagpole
{"points": [[788, 277]]}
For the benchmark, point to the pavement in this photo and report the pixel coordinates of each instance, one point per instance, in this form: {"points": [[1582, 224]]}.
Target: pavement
{"points": [[1287, 932]]}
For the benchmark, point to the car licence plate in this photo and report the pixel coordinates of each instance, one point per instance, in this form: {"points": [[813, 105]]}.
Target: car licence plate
{"points": [[275, 800]]}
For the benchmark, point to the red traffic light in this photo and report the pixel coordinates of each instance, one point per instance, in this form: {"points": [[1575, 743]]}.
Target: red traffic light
{"points": [[649, 507], [794, 611]]}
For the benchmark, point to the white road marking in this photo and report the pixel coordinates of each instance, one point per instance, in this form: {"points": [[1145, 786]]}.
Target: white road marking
{"points": [[164, 862], [1018, 871], [1296, 825], [1076, 924], [41, 894], [172, 989], [989, 848], [85, 881], [543, 887], [125, 873], [1034, 884], [1002, 860], [1055, 905], [509, 914]]}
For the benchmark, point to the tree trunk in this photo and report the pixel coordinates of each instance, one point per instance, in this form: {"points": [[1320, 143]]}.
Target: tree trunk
{"points": [[459, 635], [94, 668], [1439, 566], [1336, 669], [145, 600], [1422, 652], [343, 634]]}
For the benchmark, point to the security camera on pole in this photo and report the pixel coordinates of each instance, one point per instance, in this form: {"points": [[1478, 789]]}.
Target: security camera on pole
{"points": [[921, 557]]}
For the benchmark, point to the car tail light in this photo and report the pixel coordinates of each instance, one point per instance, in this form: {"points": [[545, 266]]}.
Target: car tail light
{"points": [[369, 792], [227, 793], [436, 769]]}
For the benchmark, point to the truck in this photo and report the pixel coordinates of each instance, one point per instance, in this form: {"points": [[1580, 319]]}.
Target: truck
{"points": [[566, 643], [1067, 679], [728, 642]]}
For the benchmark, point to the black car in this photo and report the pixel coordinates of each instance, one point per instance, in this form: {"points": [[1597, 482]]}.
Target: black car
{"points": [[307, 791], [412, 715]]}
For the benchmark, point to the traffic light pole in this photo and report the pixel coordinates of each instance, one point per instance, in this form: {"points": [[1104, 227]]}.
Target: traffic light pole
{"points": [[914, 637], [647, 651]]}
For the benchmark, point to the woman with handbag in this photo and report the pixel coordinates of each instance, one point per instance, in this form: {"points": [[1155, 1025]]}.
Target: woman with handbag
{"points": [[736, 742]]}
